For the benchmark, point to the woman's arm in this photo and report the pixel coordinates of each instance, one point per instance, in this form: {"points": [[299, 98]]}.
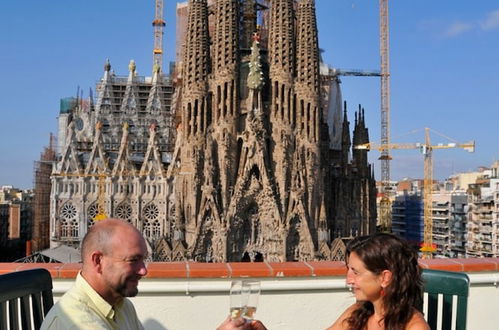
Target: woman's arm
{"points": [[417, 322], [340, 323]]}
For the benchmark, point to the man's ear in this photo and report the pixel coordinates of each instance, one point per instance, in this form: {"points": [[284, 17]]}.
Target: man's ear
{"points": [[96, 258], [386, 278]]}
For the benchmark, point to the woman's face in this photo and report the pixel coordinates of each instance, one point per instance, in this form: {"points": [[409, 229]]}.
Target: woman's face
{"points": [[365, 284]]}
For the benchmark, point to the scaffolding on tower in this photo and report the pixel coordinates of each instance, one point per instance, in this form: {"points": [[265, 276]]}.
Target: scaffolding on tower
{"points": [[41, 199]]}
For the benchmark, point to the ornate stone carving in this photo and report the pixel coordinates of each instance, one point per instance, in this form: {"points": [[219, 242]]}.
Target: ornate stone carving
{"points": [[250, 174]]}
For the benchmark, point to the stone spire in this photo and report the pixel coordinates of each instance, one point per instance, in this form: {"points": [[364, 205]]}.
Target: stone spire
{"points": [[129, 103], [195, 71], [307, 72], [154, 101], [225, 49], [196, 113], [281, 58], [225, 54], [360, 136], [281, 40], [104, 100], [345, 140], [225, 91], [308, 112], [249, 22]]}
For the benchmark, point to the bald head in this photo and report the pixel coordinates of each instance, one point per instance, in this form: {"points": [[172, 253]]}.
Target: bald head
{"points": [[100, 236], [113, 254]]}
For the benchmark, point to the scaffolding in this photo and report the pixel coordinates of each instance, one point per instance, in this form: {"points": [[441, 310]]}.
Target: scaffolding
{"points": [[41, 201]]}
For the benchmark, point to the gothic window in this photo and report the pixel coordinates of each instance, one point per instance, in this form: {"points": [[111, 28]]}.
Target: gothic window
{"points": [[124, 211], [152, 229], [151, 212], [69, 223], [92, 212], [156, 229]]}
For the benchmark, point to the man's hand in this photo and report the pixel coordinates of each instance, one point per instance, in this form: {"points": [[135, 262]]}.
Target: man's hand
{"points": [[237, 324], [241, 324]]}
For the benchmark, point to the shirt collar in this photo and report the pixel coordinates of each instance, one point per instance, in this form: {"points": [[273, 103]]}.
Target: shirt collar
{"points": [[102, 305]]}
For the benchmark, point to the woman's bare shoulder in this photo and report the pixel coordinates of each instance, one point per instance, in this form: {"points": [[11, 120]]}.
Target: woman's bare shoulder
{"points": [[417, 322], [340, 324]]}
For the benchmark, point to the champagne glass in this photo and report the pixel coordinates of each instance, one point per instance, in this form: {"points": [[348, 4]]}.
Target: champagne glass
{"points": [[251, 293], [236, 299], [244, 298]]}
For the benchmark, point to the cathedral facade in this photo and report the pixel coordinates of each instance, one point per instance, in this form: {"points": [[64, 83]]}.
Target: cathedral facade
{"points": [[240, 159]]}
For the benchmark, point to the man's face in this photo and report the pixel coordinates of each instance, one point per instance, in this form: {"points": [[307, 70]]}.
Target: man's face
{"points": [[125, 266]]}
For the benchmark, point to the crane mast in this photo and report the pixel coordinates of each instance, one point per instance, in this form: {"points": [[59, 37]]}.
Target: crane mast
{"points": [[158, 23], [385, 214], [427, 150]]}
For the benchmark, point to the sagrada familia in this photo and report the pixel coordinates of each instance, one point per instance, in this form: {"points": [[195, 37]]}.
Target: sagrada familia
{"points": [[242, 154]]}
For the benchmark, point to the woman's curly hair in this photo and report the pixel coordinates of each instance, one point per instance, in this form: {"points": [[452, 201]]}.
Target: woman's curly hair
{"points": [[380, 252]]}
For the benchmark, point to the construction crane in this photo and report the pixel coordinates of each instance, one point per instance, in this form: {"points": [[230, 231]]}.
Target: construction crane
{"points": [[426, 149], [334, 72], [385, 206], [385, 213], [158, 23]]}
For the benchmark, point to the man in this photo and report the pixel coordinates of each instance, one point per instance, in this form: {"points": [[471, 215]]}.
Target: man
{"points": [[113, 255]]}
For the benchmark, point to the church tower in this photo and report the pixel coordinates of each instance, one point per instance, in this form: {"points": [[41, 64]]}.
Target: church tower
{"points": [[196, 117], [254, 172]]}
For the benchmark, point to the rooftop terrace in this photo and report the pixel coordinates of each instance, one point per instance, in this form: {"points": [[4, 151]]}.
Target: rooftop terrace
{"points": [[295, 295]]}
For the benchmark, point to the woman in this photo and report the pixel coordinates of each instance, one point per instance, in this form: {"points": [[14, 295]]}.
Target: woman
{"points": [[385, 277]]}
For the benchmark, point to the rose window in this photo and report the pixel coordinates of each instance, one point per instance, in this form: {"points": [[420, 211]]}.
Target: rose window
{"points": [[124, 211], [68, 211], [151, 212]]}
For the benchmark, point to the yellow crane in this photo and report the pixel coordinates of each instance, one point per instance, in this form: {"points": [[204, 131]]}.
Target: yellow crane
{"points": [[158, 23], [385, 214], [427, 150]]}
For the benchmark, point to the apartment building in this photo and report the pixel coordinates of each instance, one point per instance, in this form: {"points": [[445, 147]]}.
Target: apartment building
{"points": [[449, 223], [483, 220]]}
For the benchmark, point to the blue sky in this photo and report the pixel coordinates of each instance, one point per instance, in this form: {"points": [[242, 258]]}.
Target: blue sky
{"points": [[444, 68]]}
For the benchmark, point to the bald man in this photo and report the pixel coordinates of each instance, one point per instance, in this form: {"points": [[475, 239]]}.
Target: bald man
{"points": [[113, 255]]}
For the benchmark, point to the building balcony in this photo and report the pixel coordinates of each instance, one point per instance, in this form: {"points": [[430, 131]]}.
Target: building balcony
{"points": [[441, 227], [483, 211], [295, 296]]}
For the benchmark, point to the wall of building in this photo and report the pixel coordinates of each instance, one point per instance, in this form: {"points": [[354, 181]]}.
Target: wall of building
{"points": [[15, 222], [483, 220]]}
